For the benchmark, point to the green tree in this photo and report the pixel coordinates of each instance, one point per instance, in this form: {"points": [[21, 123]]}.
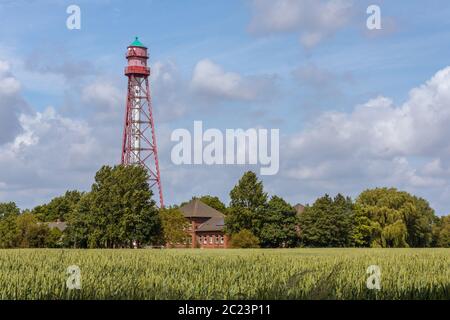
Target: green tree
{"points": [[174, 226], [8, 227], [280, 224], [394, 235], [391, 218], [244, 239], [80, 223], [58, 208], [365, 230], [248, 193], [118, 212], [441, 232], [54, 238], [31, 233], [8, 209], [248, 205], [328, 222]]}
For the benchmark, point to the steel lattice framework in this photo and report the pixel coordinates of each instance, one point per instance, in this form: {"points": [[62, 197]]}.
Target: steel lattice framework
{"points": [[139, 138]]}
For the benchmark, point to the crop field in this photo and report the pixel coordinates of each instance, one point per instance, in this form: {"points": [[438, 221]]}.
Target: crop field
{"points": [[225, 274]]}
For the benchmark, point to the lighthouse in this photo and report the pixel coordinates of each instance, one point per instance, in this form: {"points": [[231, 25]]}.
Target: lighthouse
{"points": [[139, 138]]}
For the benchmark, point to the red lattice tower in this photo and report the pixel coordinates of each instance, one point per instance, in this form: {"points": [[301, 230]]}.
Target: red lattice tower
{"points": [[139, 139]]}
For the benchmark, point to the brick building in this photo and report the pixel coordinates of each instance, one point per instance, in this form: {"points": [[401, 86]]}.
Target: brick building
{"points": [[207, 225]]}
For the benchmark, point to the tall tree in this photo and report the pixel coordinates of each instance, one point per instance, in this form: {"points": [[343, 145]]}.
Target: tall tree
{"points": [[328, 222], [248, 205], [248, 193], [8, 227], [80, 224], [118, 212], [391, 218], [280, 225]]}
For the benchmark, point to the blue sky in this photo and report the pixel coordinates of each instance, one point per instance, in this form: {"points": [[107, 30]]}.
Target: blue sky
{"points": [[293, 86], [188, 32]]}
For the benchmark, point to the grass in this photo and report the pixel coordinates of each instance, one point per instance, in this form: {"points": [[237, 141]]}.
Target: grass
{"points": [[225, 274]]}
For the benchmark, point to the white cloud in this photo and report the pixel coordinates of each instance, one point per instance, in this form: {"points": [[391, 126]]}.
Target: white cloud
{"points": [[169, 91], [210, 80], [4, 67], [8, 84], [11, 104], [52, 154], [379, 143], [314, 20], [42, 154], [104, 96]]}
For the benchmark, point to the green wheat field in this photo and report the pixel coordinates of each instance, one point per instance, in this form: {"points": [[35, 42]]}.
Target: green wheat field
{"points": [[225, 274]]}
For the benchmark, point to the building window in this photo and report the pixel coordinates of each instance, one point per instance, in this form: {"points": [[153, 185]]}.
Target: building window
{"points": [[205, 240], [200, 239], [217, 239], [221, 239], [210, 239]]}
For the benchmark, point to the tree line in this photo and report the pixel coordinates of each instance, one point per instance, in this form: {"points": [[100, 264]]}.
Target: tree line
{"points": [[378, 218], [119, 212]]}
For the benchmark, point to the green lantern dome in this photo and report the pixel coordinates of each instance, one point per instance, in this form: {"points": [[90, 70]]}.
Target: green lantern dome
{"points": [[137, 43]]}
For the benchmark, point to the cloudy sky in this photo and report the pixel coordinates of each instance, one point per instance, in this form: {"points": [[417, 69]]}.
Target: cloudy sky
{"points": [[356, 108]]}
